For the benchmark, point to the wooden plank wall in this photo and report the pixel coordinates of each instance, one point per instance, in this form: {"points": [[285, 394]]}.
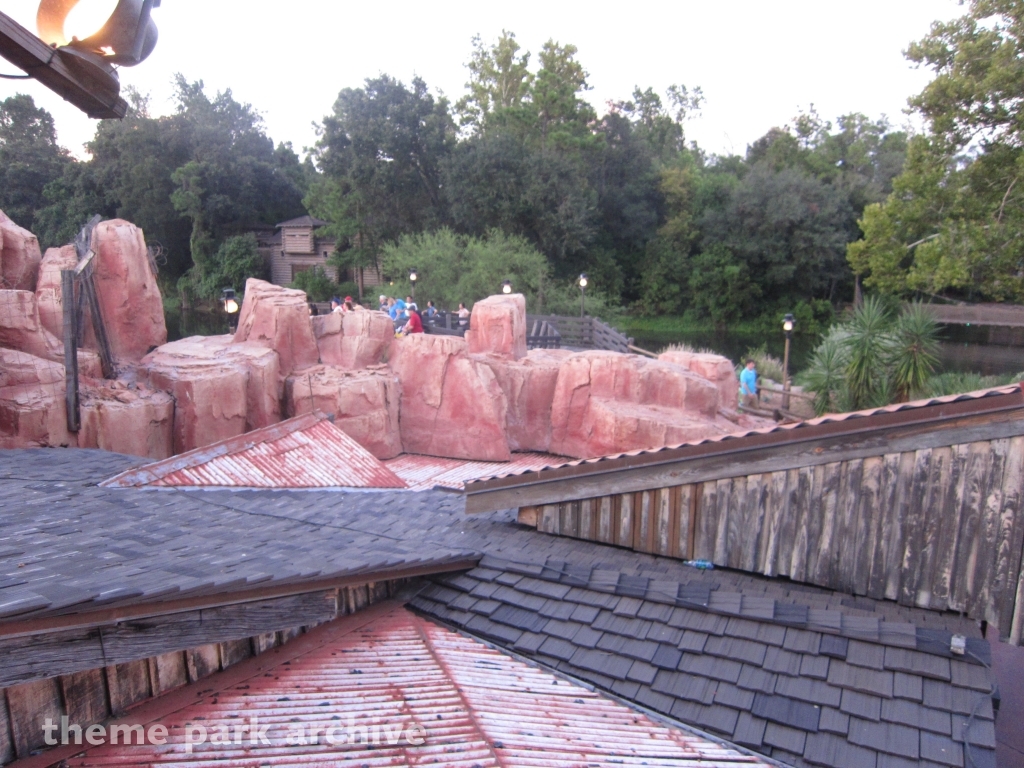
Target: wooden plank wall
{"points": [[94, 695], [937, 528]]}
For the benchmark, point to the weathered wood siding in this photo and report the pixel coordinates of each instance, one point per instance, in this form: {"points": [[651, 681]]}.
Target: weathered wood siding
{"points": [[939, 527]]}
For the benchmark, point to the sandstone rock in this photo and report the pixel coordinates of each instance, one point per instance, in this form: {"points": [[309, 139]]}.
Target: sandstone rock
{"points": [[129, 298], [529, 387], [498, 326], [19, 256], [126, 418], [368, 334], [452, 406], [606, 403], [278, 318], [365, 404], [49, 298], [353, 340], [32, 409], [714, 368], [21, 328], [221, 389]]}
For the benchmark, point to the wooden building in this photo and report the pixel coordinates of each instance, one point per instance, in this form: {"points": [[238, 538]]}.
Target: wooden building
{"points": [[294, 246]]}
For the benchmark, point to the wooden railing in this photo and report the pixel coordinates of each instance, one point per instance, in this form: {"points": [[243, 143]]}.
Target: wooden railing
{"points": [[583, 332]]}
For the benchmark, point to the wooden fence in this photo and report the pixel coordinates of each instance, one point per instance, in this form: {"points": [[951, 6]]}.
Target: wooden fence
{"points": [[938, 525], [583, 332]]}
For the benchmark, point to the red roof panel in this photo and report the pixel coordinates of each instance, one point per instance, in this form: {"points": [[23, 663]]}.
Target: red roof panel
{"points": [[305, 452], [477, 706]]}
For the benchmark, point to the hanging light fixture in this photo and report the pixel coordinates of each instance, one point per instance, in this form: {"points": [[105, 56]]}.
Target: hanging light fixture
{"points": [[108, 32]]}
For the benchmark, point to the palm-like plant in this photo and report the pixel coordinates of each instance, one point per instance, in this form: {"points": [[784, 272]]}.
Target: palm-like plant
{"points": [[867, 345], [912, 352], [825, 374]]}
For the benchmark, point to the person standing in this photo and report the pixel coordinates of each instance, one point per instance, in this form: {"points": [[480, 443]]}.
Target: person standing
{"points": [[748, 384], [463, 316], [430, 311]]}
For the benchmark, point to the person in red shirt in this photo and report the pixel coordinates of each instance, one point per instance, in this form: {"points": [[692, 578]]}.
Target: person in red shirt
{"points": [[414, 325]]}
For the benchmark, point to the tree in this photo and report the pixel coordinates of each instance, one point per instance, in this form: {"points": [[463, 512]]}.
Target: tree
{"points": [[499, 82], [789, 229], [380, 154], [456, 268], [954, 222], [30, 158]]}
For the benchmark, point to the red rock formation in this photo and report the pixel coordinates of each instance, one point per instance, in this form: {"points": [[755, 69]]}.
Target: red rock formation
{"points": [[221, 389], [715, 368], [498, 326], [353, 340], [278, 318], [605, 402], [21, 327], [126, 418], [32, 411], [129, 298], [49, 298], [19, 256], [364, 404], [529, 387], [452, 405]]}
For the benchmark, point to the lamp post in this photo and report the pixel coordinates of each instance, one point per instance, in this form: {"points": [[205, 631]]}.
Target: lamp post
{"points": [[787, 325], [583, 293], [506, 287], [413, 277], [227, 298]]}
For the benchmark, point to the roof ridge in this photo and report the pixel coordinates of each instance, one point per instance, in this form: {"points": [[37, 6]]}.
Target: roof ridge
{"points": [[711, 599]]}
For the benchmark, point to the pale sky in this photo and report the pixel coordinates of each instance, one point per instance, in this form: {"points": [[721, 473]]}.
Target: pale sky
{"points": [[759, 62]]}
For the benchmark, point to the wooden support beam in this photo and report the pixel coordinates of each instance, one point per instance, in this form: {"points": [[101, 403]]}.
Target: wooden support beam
{"points": [[89, 87], [98, 328], [71, 403]]}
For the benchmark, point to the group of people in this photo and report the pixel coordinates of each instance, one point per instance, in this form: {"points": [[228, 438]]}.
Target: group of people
{"points": [[408, 318]]}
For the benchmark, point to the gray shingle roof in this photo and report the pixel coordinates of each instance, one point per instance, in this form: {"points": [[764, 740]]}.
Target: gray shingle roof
{"points": [[803, 674], [827, 685]]}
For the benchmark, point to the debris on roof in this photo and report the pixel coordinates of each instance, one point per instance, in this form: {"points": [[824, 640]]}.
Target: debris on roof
{"points": [[803, 684], [367, 689], [307, 451]]}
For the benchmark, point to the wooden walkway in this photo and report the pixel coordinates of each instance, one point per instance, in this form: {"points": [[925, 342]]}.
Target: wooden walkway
{"points": [[919, 503], [1002, 315]]}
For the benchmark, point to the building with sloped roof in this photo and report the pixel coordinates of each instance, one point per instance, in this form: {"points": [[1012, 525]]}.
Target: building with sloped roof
{"points": [[178, 595], [295, 246]]}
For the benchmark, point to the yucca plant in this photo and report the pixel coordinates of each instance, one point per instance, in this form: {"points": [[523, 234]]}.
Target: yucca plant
{"points": [[912, 352], [825, 374], [867, 345]]}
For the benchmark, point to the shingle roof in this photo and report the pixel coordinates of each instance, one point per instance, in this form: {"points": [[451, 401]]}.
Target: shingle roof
{"points": [[68, 546], [302, 221], [400, 669], [802, 683]]}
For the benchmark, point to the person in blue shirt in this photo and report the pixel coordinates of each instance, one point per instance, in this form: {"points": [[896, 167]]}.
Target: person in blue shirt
{"points": [[748, 384]]}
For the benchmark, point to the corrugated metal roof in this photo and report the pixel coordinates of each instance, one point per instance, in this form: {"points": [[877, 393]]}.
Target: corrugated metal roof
{"points": [[828, 418], [305, 452], [477, 705], [421, 473]]}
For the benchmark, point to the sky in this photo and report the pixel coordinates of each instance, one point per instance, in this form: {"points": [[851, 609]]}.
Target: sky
{"points": [[759, 63]]}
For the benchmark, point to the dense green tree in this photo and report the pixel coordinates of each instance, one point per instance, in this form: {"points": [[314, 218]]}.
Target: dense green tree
{"points": [[30, 158], [380, 155], [954, 222]]}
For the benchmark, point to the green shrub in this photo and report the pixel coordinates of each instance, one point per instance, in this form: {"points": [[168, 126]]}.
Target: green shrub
{"points": [[316, 283]]}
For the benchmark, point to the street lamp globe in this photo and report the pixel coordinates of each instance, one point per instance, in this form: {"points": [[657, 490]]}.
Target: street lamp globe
{"points": [[583, 280], [788, 322], [506, 287], [413, 275]]}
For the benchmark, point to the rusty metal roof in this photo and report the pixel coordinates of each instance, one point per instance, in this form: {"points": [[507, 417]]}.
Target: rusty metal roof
{"points": [[829, 418], [305, 452], [421, 473], [478, 706]]}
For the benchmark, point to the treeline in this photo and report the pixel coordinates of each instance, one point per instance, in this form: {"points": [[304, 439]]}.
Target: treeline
{"points": [[659, 226]]}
